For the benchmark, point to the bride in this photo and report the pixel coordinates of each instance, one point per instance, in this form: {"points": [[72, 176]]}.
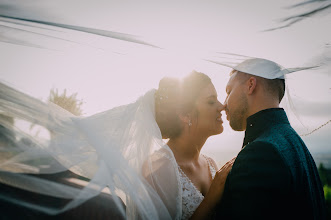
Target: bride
{"points": [[187, 113], [122, 149]]}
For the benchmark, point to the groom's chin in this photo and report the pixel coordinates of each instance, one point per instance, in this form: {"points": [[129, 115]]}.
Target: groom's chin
{"points": [[236, 127]]}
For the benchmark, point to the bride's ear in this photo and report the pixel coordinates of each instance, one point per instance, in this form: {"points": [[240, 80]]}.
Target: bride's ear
{"points": [[185, 118]]}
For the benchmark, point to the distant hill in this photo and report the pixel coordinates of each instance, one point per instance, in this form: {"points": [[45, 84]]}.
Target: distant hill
{"points": [[324, 158]]}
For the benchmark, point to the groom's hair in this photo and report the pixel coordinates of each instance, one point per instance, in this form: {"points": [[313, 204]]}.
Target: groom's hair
{"points": [[275, 87]]}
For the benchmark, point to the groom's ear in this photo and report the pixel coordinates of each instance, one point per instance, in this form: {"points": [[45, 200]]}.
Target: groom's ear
{"points": [[251, 85]]}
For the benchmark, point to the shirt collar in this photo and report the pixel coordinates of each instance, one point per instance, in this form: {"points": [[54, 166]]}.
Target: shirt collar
{"points": [[262, 120]]}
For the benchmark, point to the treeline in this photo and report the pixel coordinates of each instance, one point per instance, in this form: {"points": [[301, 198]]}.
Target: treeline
{"points": [[325, 175]]}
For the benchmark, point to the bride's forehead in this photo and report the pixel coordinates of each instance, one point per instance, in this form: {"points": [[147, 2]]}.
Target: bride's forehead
{"points": [[208, 91]]}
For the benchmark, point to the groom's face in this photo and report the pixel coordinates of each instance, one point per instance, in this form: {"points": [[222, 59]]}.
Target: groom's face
{"points": [[236, 104]]}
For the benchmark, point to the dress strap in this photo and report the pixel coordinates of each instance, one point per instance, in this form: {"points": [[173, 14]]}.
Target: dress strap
{"points": [[211, 165]]}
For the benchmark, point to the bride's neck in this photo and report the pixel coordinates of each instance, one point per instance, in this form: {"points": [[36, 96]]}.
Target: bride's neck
{"points": [[186, 149]]}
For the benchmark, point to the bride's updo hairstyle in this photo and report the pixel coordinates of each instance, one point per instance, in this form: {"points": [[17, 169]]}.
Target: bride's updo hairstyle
{"points": [[176, 97]]}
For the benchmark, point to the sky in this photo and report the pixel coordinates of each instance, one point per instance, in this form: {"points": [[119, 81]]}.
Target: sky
{"points": [[107, 72]]}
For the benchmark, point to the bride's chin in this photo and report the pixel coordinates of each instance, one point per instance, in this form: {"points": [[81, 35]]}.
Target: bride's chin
{"points": [[220, 130]]}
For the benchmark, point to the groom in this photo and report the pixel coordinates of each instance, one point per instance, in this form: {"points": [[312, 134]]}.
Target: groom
{"points": [[274, 175]]}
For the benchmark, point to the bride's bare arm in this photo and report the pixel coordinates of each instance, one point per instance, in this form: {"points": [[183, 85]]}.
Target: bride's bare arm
{"points": [[215, 193]]}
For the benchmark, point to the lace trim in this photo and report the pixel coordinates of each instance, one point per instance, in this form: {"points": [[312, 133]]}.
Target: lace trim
{"points": [[183, 175], [212, 169], [191, 196]]}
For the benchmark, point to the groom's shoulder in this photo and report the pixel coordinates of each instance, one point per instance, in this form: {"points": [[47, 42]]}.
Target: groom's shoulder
{"points": [[271, 152], [261, 148], [260, 162], [262, 154], [280, 138], [281, 135], [278, 145]]}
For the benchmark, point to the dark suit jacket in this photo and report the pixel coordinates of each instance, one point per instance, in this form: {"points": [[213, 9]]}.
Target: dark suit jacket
{"points": [[274, 175]]}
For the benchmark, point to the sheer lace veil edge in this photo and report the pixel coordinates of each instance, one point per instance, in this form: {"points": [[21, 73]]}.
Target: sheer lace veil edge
{"points": [[109, 149]]}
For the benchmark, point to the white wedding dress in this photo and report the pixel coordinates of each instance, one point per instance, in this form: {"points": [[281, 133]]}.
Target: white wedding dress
{"points": [[192, 197], [178, 192]]}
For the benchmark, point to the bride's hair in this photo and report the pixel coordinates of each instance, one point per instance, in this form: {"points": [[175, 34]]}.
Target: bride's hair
{"points": [[175, 97]]}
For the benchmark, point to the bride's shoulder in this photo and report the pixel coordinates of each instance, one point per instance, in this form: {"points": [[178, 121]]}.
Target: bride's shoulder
{"points": [[211, 161], [163, 153], [161, 161]]}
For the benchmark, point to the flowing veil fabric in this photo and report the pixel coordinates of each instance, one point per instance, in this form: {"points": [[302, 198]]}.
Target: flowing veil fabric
{"points": [[111, 149], [121, 148]]}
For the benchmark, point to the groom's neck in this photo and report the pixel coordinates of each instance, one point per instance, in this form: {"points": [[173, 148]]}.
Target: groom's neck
{"points": [[257, 105]]}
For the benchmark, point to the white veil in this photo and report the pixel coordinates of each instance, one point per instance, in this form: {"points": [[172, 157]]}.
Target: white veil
{"points": [[110, 149], [121, 148]]}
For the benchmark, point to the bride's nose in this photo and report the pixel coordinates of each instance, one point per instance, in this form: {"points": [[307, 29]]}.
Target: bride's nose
{"points": [[220, 107]]}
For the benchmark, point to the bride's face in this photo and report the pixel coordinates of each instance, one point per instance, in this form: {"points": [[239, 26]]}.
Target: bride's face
{"points": [[208, 119]]}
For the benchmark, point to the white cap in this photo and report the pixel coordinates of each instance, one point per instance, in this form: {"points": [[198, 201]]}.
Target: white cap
{"points": [[265, 68]]}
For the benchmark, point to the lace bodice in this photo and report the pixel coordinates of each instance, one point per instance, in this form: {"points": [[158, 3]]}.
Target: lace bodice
{"points": [[191, 196]]}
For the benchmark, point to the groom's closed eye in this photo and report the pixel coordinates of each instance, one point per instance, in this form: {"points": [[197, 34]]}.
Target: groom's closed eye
{"points": [[227, 91], [226, 98]]}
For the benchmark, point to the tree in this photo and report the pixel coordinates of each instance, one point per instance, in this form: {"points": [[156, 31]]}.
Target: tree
{"points": [[323, 173], [69, 103]]}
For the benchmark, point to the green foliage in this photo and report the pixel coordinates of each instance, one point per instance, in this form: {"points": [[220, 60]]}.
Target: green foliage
{"points": [[327, 193], [323, 174]]}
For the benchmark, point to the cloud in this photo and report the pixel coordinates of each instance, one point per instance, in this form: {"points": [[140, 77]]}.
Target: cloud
{"points": [[312, 108], [319, 141]]}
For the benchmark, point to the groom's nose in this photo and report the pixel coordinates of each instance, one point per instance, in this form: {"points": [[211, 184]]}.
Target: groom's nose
{"points": [[226, 101], [225, 105]]}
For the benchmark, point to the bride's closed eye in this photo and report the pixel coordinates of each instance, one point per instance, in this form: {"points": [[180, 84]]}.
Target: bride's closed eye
{"points": [[211, 102]]}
